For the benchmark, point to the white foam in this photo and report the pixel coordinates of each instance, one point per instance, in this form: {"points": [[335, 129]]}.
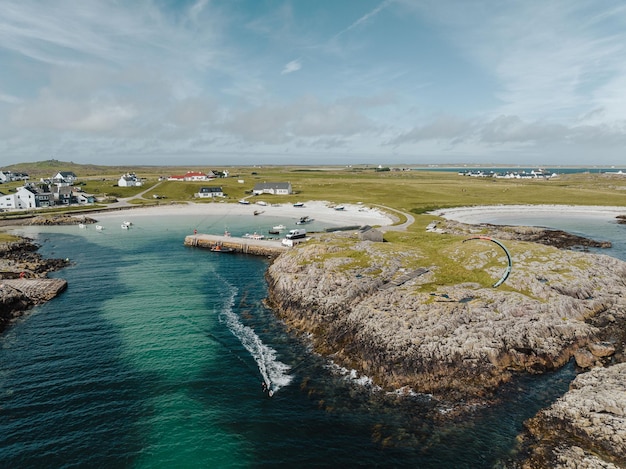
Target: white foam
{"points": [[274, 372]]}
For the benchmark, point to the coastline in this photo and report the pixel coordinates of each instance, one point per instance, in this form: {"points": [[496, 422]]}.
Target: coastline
{"points": [[352, 214], [477, 214]]}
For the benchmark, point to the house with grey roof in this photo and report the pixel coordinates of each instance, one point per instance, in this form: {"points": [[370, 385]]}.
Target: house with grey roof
{"points": [[210, 192], [275, 188]]}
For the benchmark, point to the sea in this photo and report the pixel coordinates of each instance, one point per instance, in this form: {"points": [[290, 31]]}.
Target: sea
{"points": [[156, 354]]}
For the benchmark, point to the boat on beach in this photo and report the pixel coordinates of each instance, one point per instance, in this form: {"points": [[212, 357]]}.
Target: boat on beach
{"points": [[298, 204]]}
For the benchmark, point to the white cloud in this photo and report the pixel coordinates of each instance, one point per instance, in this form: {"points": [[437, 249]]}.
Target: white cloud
{"points": [[291, 67]]}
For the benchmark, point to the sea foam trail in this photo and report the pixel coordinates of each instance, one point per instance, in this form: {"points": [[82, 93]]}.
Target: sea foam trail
{"points": [[274, 372]]}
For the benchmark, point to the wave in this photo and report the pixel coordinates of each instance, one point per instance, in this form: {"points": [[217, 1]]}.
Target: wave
{"points": [[275, 373]]}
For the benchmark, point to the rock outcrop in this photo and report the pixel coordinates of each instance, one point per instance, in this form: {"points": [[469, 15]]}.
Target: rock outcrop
{"points": [[62, 219], [455, 341], [584, 428], [23, 282]]}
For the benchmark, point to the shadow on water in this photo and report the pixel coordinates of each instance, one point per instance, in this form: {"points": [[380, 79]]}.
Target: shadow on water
{"points": [[61, 382]]}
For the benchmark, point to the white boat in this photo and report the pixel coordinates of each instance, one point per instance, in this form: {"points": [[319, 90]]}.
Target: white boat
{"points": [[261, 203], [244, 202], [299, 204], [340, 207], [277, 229], [99, 227], [125, 226], [82, 226], [128, 223], [254, 235], [304, 221]]}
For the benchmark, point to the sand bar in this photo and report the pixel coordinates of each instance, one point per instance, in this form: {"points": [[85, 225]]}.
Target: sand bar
{"points": [[478, 214]]}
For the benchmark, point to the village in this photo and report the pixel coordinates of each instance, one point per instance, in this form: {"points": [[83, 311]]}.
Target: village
{"points": [[64, 189]]}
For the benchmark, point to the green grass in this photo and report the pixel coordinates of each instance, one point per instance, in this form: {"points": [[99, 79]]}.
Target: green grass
{"points": [[416, 192]]}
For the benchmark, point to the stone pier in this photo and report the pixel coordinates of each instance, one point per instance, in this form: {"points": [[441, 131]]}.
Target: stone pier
{"points": [[38, 290], [258, 247]]}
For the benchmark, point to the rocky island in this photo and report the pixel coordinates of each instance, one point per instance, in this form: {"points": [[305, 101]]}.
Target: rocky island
{"points": [[389, 311]]}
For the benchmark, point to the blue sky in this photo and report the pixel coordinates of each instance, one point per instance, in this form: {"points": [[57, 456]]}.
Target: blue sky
{"points": [[227, 82]]}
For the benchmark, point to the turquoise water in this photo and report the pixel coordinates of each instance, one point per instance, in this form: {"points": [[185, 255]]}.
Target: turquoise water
{"points": [[155, 355]]}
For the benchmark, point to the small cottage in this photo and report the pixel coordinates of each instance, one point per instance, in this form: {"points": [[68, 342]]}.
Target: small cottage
{"points": [[210, 192], [367, 233], [276, 188]]}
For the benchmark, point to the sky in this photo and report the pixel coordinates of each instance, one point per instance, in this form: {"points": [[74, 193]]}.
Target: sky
{"points": [[240, 82]]}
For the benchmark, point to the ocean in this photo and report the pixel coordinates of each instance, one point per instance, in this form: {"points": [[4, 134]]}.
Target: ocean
{"points": [[156, 353]]}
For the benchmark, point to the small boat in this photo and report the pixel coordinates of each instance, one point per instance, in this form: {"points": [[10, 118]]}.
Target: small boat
{"points": [[99, 227], [244, 202], [304, 221], [261, 203], [258, 212], [128, 223], [340, 207], [125, 226], [298, 204], [277, 229], [82, 226], [254, 235], [219, 248]]}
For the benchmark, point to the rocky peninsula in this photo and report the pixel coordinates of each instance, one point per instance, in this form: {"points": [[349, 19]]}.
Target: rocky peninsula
{"points": [[23, 272], [388, 312]]}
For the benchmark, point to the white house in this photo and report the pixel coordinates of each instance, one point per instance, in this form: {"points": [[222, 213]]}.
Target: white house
{"points": [[64, 178], [24, 198], [210, 192], [7, 201], [276, 188], [129, 180], [8, 176], [5, 176]]}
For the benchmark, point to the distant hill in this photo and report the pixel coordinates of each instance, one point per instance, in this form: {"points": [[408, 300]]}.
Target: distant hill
{"points": [[48, 168]]}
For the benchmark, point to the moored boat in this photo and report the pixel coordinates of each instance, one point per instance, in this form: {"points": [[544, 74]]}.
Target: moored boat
{"points": [[304, 221], [220, 248], [254, 235]]}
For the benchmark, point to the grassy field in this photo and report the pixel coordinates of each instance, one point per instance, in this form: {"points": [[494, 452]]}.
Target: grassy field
{"points": [[410, 191]]}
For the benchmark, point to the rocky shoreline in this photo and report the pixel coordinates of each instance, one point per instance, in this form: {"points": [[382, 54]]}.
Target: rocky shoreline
{"points": [[19, 260], [459, 343]]}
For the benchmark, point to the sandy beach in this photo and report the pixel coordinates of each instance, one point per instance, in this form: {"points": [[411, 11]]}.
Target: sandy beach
{"points": [[478, 214], [352, 214]]}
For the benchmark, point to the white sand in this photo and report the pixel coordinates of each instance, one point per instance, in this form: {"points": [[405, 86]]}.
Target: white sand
{"points": [[352, 214], [480, 213]]}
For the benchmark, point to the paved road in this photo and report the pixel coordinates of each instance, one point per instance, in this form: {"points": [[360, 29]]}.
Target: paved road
{"points": [[401, 227], [125, 201]]}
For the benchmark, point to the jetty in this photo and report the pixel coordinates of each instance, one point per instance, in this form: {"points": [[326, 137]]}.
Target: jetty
{"points": [[257, 247], [38, 290]]}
